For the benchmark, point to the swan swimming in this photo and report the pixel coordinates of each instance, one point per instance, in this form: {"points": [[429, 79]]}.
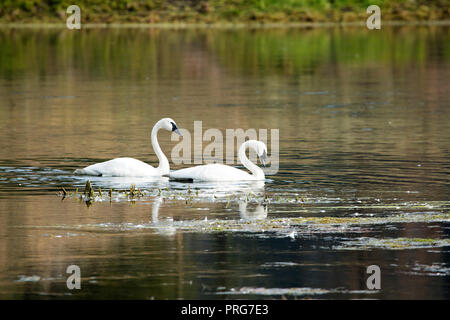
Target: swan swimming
{"points": [[129, 167], [221, 172]]}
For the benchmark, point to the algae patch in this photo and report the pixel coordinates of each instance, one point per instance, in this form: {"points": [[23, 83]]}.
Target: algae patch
{"points": [[306, 225], [283, 227], [365, 243], [304, 291], [436, 269]]}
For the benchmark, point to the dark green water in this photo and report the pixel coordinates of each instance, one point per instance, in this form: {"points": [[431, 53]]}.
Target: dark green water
{"points": [[363, 154]]}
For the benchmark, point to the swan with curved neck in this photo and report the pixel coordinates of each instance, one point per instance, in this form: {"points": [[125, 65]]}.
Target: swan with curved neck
{"points": [[221, 172], [129, 167]]}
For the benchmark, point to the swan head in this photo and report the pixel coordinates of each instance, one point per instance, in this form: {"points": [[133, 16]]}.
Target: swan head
{"points": [[169, 125], [261, 150]]}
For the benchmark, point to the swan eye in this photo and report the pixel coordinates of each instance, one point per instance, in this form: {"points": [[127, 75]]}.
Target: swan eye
{"points": [[174, 126]]}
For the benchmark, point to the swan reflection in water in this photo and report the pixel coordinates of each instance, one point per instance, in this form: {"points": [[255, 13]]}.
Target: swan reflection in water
{"points": [[166, 227], [124, 183], [248, 212], [219, 189], [259, 213]]}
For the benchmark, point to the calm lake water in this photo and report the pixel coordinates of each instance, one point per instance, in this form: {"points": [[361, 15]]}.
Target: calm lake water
{"points": [[364, 157]]}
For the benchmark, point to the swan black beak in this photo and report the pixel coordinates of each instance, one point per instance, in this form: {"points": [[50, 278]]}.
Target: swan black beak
{"points": [[175, 128], [263, 158]]}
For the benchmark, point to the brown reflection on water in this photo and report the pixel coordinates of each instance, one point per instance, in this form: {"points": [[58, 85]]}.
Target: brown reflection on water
{"points": [[96, 94], [42, 237]]}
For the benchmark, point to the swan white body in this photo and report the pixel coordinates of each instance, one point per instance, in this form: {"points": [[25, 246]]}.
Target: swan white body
{"points": [[221, 172], [120, 167], [129, 167]]}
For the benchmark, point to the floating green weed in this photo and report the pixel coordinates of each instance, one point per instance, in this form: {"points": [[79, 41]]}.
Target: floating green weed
{"points": [[392, 243]]}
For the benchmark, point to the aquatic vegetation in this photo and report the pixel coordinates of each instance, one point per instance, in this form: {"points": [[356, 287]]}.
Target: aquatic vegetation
{"points": [[294, 228], [392, 243], [23, 278], [279, 264], [436, 269], [311, 217], [289, 291]]}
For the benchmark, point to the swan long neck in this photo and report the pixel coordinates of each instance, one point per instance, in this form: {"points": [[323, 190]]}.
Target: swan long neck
{"points": [[163, 162], [253, 168]]}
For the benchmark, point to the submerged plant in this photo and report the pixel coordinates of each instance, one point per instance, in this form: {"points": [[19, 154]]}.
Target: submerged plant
{"points": [[88, 190], [132, 193]]}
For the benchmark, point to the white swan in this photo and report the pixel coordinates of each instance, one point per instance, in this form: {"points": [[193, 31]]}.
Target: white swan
{"points": [[220, 172], [129, 167]]}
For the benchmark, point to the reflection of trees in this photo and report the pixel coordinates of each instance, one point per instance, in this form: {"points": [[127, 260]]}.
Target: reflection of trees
{"points": [[346, 100], [74, 83]]}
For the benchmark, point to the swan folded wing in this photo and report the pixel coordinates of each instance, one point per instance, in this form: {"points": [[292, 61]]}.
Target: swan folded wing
{"points": [[120, 167], [211, 172]]}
